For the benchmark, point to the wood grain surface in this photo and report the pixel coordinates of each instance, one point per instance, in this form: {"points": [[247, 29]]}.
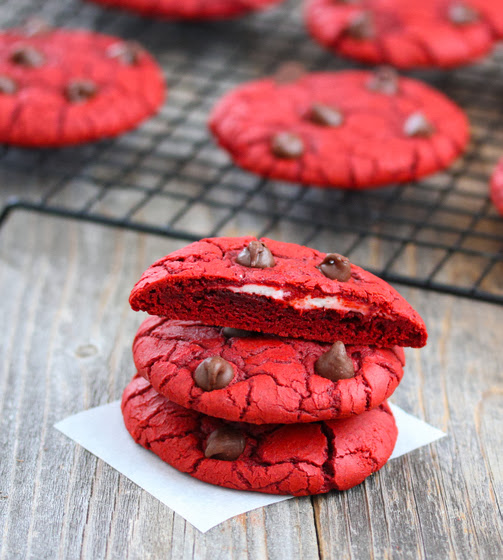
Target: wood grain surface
{"points": [[67, 330]]}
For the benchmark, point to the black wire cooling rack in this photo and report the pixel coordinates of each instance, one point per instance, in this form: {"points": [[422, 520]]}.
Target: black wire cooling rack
{"points": [[169, 178]]}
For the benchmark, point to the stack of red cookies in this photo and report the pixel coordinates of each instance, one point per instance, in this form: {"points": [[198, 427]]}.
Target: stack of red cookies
{"points": [[267, 365]]}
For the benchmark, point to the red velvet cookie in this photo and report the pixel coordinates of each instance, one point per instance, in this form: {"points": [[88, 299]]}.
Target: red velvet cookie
{"points": [[407, 34], [245, 377], [497, 187], [298, 459], [277, 288], [189, 9], [62, 87], [351, 129]]}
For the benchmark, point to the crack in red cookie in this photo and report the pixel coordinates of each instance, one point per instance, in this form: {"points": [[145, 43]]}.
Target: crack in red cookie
{"points": [[496, 188], [75, 81], [203, 282], [297, 459], [429, 33], [189, 9], [274, 379], [371, 146]]}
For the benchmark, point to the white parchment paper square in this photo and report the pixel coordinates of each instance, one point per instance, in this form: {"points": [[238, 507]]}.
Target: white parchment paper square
{"points": [[101, 431]]}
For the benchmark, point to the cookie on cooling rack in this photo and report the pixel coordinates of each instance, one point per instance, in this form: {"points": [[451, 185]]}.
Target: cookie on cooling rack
{"points": [[189, 9], [60, 87], [350, 129], [262, 379], [407, 34], [297, 459], [277, 288]]}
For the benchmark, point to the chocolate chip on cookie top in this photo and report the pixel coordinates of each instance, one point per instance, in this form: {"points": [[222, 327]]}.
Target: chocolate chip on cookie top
{"points": [[460, 13], [335, 364], [256, 255], [213, 373], [336, 267], [418, 126], [7, 85], [325, 115], [79, 91], [287, 145], [384, 80], [289, 72], [361, 26], [128, 52], [27, 56], [225, 444]]}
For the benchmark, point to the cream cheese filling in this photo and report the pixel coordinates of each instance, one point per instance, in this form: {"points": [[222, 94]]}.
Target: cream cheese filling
{"points": [[305, 303]]}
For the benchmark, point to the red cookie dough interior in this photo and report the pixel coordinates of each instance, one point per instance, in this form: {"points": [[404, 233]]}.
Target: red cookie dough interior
{"points": [[203, 282]]}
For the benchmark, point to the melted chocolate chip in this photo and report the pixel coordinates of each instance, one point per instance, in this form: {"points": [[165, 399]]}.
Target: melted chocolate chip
{"points": [[213, 373], [462, 14], [127, 52], [230, 332], [336, 267], [79, 91], [287, 145], [335, 364], [27, 56], [361, 27], [289, 73], [384, 80], [256, 255], [34, 27], [325, 115], [225, 444], [418, 126], [7, 86]]}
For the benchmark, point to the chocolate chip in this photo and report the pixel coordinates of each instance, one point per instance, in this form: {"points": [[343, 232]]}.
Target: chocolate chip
{"points": [[79, 91], [384, 80], [27, 56], [289, 72], [287, 145], [256, 255], [7, 85], [336, 267], [418, 126], [230, 332], [335, 364], [213, 373], [128, 52], [325, 115], [225, 444], [462, 14], [361, 27], [34, 27]]}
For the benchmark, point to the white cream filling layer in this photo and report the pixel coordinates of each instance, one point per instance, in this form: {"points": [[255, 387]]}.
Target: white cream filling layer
{"points": [[306, 303]]}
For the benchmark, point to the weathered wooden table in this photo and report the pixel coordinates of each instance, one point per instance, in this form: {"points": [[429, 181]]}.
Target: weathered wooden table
{"points": [[67, 327], [67, 330]]}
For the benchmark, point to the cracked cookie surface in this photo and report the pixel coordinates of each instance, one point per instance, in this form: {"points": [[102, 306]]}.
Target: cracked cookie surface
{"points": [[204, 282], [274, 379], [86, 85], [297, 459], [430, 33], [337, 130], [189, 9]]}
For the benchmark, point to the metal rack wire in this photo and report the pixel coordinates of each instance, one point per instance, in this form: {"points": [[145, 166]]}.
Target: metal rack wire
{"points": [[168, 177]]}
